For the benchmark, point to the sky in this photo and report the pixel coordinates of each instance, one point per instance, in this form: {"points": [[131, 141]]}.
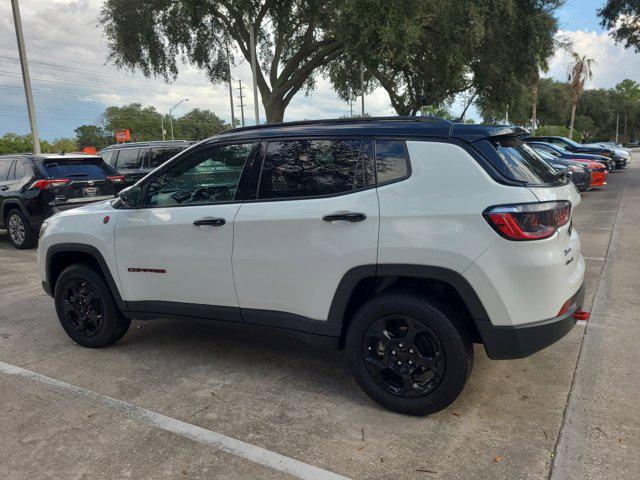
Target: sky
{"points": [[73, 80]]}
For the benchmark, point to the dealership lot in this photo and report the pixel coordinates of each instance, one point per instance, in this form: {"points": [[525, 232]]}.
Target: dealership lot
{"points": [[567, 410]]}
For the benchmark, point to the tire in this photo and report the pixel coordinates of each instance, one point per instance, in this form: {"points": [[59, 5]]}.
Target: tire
{"points": [[441, 342], [21, 235], [86, 308]]}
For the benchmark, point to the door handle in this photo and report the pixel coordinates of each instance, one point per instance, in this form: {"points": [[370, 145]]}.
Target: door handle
{"points": [[216, 222], [347, 216]]}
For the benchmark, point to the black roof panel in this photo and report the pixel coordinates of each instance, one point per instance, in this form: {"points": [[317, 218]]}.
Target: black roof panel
{"points": [[378, 126]]}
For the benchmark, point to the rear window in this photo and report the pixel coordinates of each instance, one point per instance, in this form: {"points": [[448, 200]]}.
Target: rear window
{"points": [[90, 168], [158, 155], [520, 162], [128, 159]]}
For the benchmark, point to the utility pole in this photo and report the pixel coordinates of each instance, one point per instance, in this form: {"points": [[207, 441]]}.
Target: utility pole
{"points": [[351, 106], [233, 117], [506, 118], [241, 102], [162, 126], [26, 79], [625, 128], [362, 87], [252, 41], [617, 124]]}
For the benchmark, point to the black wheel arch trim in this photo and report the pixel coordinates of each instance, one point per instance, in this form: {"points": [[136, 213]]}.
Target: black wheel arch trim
{"points": [[49, 284], [9, 204]]}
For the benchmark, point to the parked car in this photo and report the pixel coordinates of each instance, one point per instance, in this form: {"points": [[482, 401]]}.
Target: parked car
{"points": [[575, 147], [403, 240], [633, 144], [134, 160], [618, 150], [579, 173], [34, 187], [560, 152]]}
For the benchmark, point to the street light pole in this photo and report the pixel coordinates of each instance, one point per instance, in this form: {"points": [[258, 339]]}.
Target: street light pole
{"points": [[26, 80], [171, 115]]}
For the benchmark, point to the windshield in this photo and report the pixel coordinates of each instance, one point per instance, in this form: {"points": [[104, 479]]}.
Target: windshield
{"points": [[522, 163], [570, 142]]}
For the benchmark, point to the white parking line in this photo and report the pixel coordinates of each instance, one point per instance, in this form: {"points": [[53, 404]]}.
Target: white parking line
{"points": [[602, 259], [202, 435]]}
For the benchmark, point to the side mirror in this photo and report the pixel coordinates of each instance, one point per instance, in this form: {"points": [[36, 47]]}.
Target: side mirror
{"points": [[131, 197]]}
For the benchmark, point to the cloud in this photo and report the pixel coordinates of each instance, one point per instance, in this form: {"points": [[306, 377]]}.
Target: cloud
{"points": [[613, 63]]}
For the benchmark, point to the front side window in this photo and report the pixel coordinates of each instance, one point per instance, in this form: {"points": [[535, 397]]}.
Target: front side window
{"points": [[19, 170], [128, 159], [5, 166], [391, 160], [308, 168], [204, 177]]}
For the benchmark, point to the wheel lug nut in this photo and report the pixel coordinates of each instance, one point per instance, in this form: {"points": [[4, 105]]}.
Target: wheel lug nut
{"points": [[411, 350], [399, 363], [410, 362], [401, 345], [393, 352]]}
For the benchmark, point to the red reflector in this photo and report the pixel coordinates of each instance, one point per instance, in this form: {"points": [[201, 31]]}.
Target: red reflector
{"points": [[581, 315], [45, 184], [116, 178], [564, 308]]}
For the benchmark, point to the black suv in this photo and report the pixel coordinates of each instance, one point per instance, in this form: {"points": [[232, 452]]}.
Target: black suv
{"points": [[134, 160], [34, 187]]}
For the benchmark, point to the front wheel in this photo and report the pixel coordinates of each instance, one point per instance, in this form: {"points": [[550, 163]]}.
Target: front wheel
{"points": [[86, 308], [407, 355]]}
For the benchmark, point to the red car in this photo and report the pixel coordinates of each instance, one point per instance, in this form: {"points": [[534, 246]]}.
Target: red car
{"points": [[598, 171]]}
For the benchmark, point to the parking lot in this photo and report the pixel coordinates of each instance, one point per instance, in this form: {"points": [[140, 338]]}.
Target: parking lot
{"points": [[569, 411]]}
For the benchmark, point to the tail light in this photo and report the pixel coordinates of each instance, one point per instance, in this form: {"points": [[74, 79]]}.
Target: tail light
{"points": [[528, 221], [50, 183], [116, 178]]}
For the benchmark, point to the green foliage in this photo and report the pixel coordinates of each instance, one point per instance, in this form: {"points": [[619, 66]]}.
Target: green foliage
{"points": [[63, 145], [294, 38], [622, 18], [198, 124], [92, 136], [425, 52], [14, 143], [144, 123], [554, 130]]}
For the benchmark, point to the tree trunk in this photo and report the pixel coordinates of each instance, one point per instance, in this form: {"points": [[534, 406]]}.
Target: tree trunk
{"points": [[274, 109], [534, 108], [574, 103]]}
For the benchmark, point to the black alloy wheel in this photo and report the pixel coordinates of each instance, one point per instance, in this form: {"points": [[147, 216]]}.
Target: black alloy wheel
{"points": [[82, 307], [404, 356]]}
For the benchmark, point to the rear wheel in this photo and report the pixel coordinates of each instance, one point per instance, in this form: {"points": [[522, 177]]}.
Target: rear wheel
{"points": [[20, 233], [86, 308], [408, 355]]}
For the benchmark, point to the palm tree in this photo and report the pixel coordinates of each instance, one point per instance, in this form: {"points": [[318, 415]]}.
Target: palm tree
{"points": [[580, 71]]}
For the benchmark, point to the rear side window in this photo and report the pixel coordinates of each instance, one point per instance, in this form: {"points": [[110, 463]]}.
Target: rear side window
{"points": [[89, 168], [158, 155], [391, 160], [106, 156], [307, 168], [128, 159], [520, 162]]}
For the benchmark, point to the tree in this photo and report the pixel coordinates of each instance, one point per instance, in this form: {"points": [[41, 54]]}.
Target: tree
{"points": [[91, 136], [622, 18], [294, 39], [144, 123], [424, 53], [199, 124], [14, 143], [628, 93], [580, 71], [63, 145]]}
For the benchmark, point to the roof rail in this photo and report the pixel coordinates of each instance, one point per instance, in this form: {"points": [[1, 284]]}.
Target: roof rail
{"points": [[334, 121]]}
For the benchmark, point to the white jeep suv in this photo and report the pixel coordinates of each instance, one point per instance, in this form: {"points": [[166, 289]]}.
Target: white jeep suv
{"points": [[403, 240]]}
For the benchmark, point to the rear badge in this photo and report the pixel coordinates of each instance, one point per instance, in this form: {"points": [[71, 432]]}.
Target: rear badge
{"points": [[146, 270]]}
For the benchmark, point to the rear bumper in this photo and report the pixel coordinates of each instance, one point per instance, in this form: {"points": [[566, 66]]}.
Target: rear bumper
{"points": [[519, 341]]}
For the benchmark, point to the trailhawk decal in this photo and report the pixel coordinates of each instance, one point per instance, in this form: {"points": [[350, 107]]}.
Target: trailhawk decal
{"points": [[146, 270]]}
